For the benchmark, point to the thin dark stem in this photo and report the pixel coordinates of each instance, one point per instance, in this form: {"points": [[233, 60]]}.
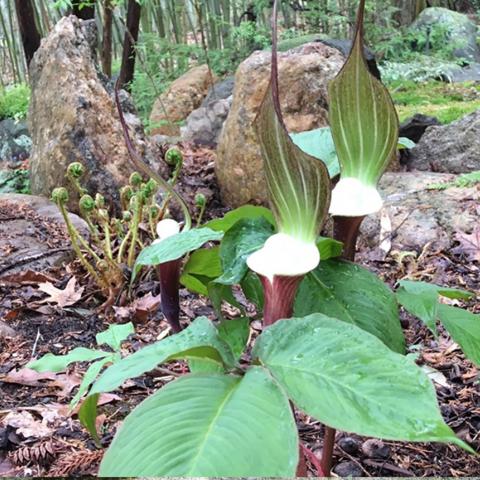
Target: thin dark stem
{"points": [[327, 450]]}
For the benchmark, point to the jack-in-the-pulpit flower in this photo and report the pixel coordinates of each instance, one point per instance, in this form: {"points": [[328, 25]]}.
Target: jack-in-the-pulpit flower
{"points": [[169, 276], [365, 127], [299, 192]]}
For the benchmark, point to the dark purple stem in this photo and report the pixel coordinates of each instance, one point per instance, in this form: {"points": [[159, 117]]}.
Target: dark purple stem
{"points": [[345, 230], [169, 275], [279, 297]]}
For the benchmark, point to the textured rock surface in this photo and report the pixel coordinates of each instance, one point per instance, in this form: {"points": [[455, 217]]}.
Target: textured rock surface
{"points": [[15, 141], [452, 148], [417, 216], [184, 96], [73, 116], [33, 234], [460, 31], [304, 75], [204, 125]]}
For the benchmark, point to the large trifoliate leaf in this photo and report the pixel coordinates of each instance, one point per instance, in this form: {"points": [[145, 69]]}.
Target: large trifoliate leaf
{"points": [[349, 380], [208, 425], [352, 294], [199, 340], [464, 327], [365, 127], [175, 247]]}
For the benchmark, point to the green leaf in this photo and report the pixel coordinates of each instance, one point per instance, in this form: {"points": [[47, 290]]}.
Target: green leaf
{"points": [[329, 248], [349, 380], [235, 334], [244, 238], [319, 144], [87, 416], [464, 327], [231, 218], [362, 116], [175, 247], [198, 340], [208, 426], [59, 363], [298, 184], [115, 335], [404, 142], [253, 289], [90, 375], [354, 295], [202, 267], [421, 299], [205, 365], [423, 287]]}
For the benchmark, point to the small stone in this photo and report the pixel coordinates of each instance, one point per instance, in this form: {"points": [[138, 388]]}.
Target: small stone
{"points": [[348, 469], [349, 445], [374, 448], [6, 331]]}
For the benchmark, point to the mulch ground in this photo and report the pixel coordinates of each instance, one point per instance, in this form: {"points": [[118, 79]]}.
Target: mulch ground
{"points": [[44, 439]]}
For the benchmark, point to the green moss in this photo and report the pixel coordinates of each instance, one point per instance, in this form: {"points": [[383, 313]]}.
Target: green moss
{"points": [[14, 101], [447, 102]]}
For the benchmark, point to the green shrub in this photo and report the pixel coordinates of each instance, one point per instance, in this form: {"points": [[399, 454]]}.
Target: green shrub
{"points": [[14, 101]]}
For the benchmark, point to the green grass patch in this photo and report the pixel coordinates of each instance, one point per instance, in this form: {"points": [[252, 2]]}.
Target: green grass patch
{"points": [[446, 101], [14, 101]]}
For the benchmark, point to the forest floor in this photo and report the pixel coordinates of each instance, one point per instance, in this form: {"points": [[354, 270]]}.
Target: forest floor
{"points": [[39, 437]]}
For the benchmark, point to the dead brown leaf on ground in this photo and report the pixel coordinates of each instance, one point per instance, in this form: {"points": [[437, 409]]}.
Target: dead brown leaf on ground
{"points": [[70, 295]]}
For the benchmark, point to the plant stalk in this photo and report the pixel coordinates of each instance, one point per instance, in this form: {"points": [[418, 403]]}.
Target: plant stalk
{"points": [[169, 275], [279, 297], [345, 230]]}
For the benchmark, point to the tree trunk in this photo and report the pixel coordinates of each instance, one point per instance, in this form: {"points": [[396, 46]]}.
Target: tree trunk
{"points": [[107, 38], [131, 36], [86, 12], [28, 28]]}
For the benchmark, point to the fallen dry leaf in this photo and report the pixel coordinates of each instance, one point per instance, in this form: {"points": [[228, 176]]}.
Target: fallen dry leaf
{"points": [[27, 377], [469, 244], [62, 383], [139, 310], [25, 424], [28, 277], [63, 298]]}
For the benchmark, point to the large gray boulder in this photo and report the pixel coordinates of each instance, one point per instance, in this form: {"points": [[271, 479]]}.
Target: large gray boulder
{"points": [[460, 32], [453, 148], [73, 117]]}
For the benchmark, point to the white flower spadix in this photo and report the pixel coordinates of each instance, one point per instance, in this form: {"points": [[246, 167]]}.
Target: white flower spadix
{"points": [[353, 198], [285, 256]]}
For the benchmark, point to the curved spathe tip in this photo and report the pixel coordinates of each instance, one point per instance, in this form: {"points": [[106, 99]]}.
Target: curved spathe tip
{"points": [[284, 255], [353, 198]]}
